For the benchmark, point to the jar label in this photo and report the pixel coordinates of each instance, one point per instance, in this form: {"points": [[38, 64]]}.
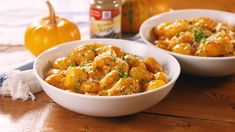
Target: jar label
{"points": [[105, 23], [100, 14]]}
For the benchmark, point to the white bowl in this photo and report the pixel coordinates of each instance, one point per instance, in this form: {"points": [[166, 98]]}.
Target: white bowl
{"points": [[107, 106], [202, 66]]}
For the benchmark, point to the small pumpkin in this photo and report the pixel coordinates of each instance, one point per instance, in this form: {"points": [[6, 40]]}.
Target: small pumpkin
{"points": [[49, 31], [135, 12]]}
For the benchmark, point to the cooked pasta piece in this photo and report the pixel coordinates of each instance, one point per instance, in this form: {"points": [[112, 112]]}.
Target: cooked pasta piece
{"points": [[74, 77], [155, 84], [152, 65], [62, 63], [125, 86], [198, 36], [56, 80], [98, 70]]}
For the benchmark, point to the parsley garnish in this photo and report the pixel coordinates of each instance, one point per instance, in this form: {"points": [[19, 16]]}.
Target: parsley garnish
{"points": [[82, 54], [103, 87], [144, 80], [82, 64], [125, 75], [120, 74], [88, 60], [125, 58], [72, 65], [113, 59], [78, 86], [199, 35], [122, 89], [89, 47], [180, 34], [95, 69]]}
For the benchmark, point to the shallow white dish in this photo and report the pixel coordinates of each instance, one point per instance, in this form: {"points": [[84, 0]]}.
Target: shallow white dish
{"points": [[202, 66], [105, 106]]}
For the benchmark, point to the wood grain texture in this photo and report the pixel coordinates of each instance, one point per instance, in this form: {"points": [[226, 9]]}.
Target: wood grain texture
{"points": [[204, 98], [44, 116]]}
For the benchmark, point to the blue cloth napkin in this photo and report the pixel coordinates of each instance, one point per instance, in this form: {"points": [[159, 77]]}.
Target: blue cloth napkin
{"points": [[29, 65], [26, 66]]}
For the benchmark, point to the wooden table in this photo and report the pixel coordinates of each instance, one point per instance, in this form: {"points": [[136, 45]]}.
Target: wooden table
{"points": [[194, 104]]}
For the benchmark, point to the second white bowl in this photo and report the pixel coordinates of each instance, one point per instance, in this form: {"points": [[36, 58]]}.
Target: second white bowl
{"points": [[202, 66]]}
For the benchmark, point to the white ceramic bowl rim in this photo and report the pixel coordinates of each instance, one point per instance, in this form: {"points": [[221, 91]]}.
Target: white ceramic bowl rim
{"points": [[174, 78], [180, 11]]}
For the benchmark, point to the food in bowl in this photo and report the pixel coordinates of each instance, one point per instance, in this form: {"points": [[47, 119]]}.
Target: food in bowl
{"points": [[101, 70], [197, 37], [192, 64], [107, 106]]}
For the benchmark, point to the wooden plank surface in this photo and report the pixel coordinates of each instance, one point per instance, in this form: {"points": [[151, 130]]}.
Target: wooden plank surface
{"points": [[204, 98], [44, 116], [195, 104]]}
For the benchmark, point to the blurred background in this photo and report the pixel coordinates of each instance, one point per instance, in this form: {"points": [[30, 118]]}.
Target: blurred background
{"points": [[15, 15]]}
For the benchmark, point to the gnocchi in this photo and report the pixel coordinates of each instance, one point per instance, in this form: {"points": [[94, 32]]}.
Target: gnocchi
{"points": [[198, 36], [99, 70]]}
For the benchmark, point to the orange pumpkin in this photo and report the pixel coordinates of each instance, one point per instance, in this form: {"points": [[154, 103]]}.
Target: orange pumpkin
{"points": [[135, 12], [49, 31]]}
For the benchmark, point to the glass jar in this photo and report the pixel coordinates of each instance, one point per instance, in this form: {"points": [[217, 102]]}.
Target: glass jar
{"points": [[105, 19]]}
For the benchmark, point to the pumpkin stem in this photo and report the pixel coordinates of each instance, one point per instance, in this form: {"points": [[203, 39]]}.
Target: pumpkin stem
{"points": [[52, 13]]}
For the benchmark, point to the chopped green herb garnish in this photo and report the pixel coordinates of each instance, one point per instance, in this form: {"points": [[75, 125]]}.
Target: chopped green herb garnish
{"points": [[72, 65], [78, 86], [203, 40], [125, 75], [88, 60], [199, 35], [106, 93], [120, 74], [82, 64], [78, 80], [180, 34], [84, 69], [125, 58], [83, 55], [103, 87], [95, 69], [144, 80], [224, 30], [111, 52], [89, 47], [122, 89], [113, 59]]}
